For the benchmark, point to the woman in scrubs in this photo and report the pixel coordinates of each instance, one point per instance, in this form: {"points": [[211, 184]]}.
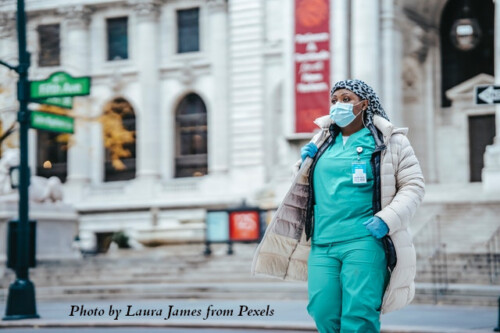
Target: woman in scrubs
{"points": [[347, 266]]}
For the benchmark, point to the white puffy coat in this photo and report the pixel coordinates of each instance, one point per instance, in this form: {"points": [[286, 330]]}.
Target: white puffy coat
{"points": [[283, 251]]}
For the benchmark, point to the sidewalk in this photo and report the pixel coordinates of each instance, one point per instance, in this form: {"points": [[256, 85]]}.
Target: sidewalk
{"points": [[273, 315]]}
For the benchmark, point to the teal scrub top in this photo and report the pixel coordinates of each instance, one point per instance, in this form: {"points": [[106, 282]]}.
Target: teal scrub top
{"points": [[341, 205]]}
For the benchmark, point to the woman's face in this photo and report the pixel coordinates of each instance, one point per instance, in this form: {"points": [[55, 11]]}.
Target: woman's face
{"points": [[348, 97]]}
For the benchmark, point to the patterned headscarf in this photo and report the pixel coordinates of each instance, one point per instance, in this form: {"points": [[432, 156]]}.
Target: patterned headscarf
{"points": [[364, 91]]}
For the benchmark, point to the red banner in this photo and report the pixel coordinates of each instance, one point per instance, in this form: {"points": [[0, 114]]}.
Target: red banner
{"points": [[312, 62]]}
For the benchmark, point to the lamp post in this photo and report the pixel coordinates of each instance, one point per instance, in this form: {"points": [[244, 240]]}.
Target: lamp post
{"points": [[21, 298], [465, 33]]}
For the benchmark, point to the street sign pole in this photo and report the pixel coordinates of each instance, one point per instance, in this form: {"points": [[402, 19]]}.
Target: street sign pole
{"points": [[21, 302]]}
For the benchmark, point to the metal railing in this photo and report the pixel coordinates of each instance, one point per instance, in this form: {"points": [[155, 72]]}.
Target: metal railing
{"points": [[432, 250], [493, 256]]}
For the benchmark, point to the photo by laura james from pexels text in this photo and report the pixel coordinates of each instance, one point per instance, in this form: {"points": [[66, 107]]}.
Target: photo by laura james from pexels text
{"points": [[169, 311]]}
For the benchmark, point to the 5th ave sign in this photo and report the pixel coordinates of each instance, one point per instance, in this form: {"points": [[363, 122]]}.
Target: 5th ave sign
{"points": [[58, 89], [60, 84]]}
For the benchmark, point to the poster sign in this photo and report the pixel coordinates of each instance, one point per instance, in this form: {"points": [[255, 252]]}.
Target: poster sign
{"points": [[312, 62], [217, 226], [244, 225]]}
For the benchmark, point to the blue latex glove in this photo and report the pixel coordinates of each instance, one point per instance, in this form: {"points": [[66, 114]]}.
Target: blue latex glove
{"points": [[308, 150], [377, 227]]}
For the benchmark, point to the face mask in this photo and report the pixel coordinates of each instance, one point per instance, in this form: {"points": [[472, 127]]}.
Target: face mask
{"points": [[342, 113]]}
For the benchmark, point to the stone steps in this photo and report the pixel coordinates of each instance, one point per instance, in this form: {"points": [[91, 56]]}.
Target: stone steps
{"points": [[268, 290], [219, 276], [461, 268]]}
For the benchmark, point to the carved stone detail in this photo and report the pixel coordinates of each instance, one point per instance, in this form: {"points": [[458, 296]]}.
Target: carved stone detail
{"points": [[145, 9], [76, 16], [416, 42], [217, 4], [186, 74], [7, 24]]}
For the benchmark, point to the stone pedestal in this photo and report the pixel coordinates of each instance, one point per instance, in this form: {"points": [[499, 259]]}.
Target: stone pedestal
{"points": [[491, 170], [57, 226]]}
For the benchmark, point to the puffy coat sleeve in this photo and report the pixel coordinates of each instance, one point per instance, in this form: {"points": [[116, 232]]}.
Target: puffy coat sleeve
{"points": [[296, 165], [410, 188]]}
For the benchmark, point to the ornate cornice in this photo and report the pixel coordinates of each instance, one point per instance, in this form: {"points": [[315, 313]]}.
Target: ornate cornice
{"points": [[216, 5], [76, 16], [145, 9]]}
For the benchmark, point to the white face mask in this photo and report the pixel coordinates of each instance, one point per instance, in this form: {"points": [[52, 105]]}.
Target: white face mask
{"points": [[342, 113]]}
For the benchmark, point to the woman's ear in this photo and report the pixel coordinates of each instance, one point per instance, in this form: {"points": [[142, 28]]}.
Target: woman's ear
{"points": [[365, 104]]}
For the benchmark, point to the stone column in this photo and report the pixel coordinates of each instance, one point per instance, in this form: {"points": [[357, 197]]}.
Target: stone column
{"points": [[392, 54], [146, 58], [491, 170], [365, 39], [75, 60], [340, 40], [218, 117]]}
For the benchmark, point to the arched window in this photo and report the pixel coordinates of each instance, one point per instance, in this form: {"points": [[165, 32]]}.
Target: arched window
{"points": [[457, 65], [118, 122], [52, 154], [191, 137]]}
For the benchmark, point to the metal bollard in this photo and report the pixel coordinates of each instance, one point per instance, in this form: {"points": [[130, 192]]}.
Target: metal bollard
{"points": [[497, 329]]}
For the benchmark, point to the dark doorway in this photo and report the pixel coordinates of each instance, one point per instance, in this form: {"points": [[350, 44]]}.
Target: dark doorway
{"points": [[481, 134]]}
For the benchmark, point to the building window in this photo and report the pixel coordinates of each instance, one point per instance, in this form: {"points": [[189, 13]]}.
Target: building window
{"points": [[191, 158], [50, 48], [118, 122], [458, 65], [188, 30], [52, 154], [117, 38]]}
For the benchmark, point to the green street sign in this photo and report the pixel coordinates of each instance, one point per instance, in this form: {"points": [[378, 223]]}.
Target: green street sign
{"points": [[51, 122], [62, 102], [60, 84]]}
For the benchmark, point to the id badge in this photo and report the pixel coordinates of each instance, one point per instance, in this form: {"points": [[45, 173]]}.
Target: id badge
{"points": [[359, 172]]}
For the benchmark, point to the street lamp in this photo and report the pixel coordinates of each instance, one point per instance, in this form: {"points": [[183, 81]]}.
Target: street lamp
{"points": [[21, 303], [465, 32]]}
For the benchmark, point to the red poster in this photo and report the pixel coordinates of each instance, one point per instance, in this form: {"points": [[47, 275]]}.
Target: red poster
{"points": [[312, 62], [244, 226]]}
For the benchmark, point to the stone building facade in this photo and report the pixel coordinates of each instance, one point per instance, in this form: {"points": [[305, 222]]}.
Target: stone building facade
{"points": [[243, 73]]}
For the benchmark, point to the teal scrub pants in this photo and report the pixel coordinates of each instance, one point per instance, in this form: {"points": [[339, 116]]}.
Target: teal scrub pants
{"points": [[346, 283]]}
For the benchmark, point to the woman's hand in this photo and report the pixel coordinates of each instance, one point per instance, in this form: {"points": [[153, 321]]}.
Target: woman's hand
{"points": [[308, 150], [377, 227]]}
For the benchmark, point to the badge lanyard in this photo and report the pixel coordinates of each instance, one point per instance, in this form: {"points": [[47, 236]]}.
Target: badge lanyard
{"points": [[359, 169]]}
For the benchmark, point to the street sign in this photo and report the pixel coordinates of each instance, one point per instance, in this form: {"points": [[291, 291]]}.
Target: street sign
{"points": [[62, 102], [487, 95], [51, 122], [60, 84]]}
